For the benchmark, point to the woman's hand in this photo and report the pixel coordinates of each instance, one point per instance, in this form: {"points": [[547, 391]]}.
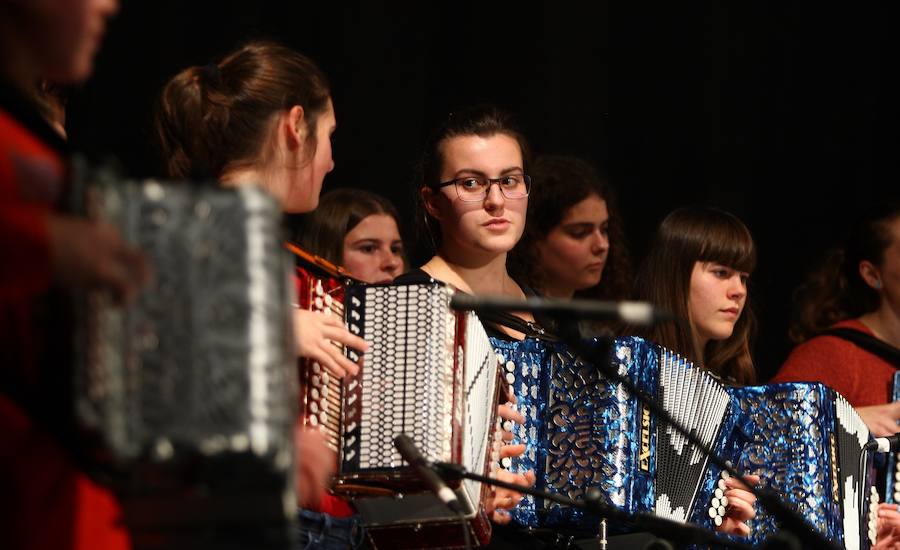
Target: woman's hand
{"points": [[881, 419], [740, 505], [315, 465], [316, 335], [506, 499], [91, 254]]}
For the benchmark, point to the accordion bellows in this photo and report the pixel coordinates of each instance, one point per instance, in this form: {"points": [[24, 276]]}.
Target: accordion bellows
{"points": [[194, 382], [583, 431]]}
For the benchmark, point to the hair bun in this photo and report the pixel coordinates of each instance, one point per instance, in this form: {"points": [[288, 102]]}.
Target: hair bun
{"points": [[211, 74]]}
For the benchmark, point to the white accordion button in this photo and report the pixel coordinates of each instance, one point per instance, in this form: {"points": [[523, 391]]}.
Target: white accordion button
{"points": [[510, 366], [715, 502], [712, 513], [319, 290], [719, 493], [313, 420], [718, 521], [725, 474], [314, 393], [721, 484], [510, 378], [506, 462], [314, 407]]}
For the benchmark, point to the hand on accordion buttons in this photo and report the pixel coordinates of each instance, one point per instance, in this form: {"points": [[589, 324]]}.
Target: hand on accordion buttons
{"points": [[881, 419], [92, 255], [888, 539], [315, 466], [506, 499], [888, 519], [510, 416], [316, 335], [740, 506]]}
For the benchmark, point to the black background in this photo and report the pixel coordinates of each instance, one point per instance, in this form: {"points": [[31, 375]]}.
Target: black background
{"points": [[784, 115]]}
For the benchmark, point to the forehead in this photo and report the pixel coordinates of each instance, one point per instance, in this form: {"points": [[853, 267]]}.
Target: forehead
{"points": [[489, 155], [590, 209], [374, 226]]}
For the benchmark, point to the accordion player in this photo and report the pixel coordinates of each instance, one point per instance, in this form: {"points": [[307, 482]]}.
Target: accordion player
{"points": [[189, 394], [430, 373]]}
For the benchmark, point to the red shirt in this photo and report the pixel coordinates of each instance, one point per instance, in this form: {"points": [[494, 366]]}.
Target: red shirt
{"points": [[46, 503], [862, 377]]}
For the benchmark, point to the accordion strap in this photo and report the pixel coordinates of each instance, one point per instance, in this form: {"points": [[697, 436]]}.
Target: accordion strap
{"points": [[867, 342]]}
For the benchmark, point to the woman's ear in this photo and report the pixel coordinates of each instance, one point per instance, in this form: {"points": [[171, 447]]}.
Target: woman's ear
{"points": [[295, 127], [870, 274], [430, 199]]}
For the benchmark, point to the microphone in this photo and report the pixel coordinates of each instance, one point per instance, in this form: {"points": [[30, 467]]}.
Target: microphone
{"points": [[635, 313], [411, 454], [887, 444]]}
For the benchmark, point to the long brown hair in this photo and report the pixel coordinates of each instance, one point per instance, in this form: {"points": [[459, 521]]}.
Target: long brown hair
{"points": [[835, 291], [322, 231], [561, 182], [685, 237], [217, 117]]}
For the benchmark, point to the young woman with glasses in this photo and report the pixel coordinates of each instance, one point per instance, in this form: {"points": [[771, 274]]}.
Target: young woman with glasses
{"points": [[472, 199]]}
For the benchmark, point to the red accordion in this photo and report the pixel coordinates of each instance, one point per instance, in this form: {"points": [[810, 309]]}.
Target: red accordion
{"points": [[430, 373]]}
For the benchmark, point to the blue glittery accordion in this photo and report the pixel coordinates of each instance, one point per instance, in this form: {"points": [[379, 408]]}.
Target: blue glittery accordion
{"points": [[583, 432], [804, 440], [891, 482]]}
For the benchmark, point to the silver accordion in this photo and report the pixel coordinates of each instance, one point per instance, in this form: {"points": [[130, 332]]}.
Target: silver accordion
{"points": [[189, 394]]}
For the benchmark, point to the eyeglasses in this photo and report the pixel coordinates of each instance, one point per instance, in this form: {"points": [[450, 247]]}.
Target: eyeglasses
{"points": [[475, 188]]}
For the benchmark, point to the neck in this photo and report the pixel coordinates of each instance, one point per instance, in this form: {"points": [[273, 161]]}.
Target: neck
{"points": [[884, 323], [562, 293], [242, 176], [477, 278]]}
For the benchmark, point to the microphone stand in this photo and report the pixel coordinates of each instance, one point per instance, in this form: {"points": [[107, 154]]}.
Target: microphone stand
{"points": [[682, 533], [567, 320]]}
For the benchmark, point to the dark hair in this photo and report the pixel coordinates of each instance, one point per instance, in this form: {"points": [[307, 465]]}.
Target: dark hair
{"points": [[216, 117], [686, 236], [561, 182], [480, 120], [322, 231], [835, 290]]}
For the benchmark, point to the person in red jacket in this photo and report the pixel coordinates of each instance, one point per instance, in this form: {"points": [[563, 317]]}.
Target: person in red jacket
{"points": [[47, 501], [856, 294], [857, 288]]}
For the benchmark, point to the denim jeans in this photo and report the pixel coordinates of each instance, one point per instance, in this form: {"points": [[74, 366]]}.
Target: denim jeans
{"points": [[323, 532]]}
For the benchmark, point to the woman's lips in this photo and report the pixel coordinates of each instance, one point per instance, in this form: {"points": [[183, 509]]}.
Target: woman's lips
{"points": [[497, 224]]}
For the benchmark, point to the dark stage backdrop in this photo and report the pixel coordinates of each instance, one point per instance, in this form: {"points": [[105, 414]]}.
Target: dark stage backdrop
{"points": [[757, 110]]}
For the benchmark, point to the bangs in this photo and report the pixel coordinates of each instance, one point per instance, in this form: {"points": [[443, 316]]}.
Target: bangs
{"points": [[727, 241]]}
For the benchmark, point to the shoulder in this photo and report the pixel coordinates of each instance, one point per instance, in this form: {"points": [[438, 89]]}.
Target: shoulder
{"points": [[415, 276], [820, 356]]}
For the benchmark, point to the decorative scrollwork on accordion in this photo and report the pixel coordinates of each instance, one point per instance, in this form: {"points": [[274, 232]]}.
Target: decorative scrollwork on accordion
{"points": [[583, 431]]}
